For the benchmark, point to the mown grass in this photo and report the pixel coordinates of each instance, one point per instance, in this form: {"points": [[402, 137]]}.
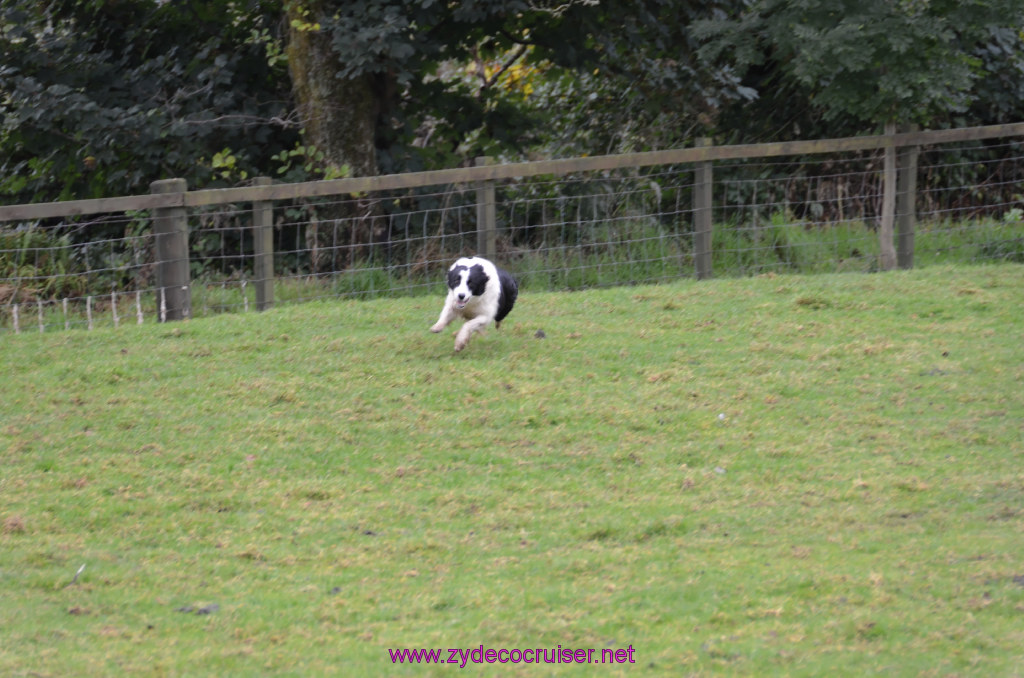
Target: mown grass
{"points": [[776, 475]]}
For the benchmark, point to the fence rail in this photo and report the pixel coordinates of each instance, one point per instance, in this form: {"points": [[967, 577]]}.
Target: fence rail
{"points": [[572, 223], [491, 172]]}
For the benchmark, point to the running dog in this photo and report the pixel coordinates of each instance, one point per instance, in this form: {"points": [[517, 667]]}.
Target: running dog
{"points": [[478, 291]]}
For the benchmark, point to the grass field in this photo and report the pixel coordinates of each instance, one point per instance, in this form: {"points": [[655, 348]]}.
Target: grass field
{"points": [[781, 475]]}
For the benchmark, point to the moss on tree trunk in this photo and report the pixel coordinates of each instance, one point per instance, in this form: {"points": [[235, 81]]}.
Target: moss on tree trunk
{"points": [[339, 114], [339, 118]]}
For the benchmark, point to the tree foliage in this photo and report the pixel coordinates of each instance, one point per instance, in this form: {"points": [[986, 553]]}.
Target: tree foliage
{"points": [[869, 61], [100, 98]]}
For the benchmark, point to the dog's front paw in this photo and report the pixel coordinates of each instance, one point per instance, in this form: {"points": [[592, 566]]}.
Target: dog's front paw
{"points": [[437, 328]]}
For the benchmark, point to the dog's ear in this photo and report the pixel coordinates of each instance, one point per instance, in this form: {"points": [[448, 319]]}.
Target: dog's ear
{"points": [[477, 280]]}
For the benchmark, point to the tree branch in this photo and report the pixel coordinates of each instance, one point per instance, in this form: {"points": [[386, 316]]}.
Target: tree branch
{"points": [[516, 55], [250, 121], [560, 9]]}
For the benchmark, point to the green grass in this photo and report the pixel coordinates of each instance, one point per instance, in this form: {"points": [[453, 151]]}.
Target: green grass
{"points": [[777, 475], [783, 244]]}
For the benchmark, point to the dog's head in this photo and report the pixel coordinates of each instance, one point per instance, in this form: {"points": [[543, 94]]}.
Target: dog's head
{"points": [[466, 282]]}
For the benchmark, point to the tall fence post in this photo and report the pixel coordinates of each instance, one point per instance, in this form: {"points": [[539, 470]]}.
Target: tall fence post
{"points": [[702, 214], [486, 228], [906, 202], [170, 229], [263, 248], [886, 248]]}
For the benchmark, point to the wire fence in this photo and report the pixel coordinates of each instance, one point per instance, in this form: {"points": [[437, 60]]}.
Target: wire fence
{"points": [[582, 229]]}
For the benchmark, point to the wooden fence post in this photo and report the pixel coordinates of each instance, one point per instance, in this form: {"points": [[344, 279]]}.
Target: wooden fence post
{"points": [[702, 214], [906, 202], [486, 228], [170, 230], [263, 248], [886, 248]]}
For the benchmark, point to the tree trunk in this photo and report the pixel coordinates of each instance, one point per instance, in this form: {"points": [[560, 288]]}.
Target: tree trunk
{"points": [[339, 118]]}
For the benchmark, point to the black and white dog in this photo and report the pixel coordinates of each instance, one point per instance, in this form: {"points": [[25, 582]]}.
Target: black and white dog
{"points": [[478, 291]]}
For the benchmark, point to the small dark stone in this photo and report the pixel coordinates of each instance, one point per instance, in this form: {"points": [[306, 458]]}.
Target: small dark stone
{"points": [[540, 334]]}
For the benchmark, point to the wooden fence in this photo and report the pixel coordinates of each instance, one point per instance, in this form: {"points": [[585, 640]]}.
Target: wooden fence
{"points": [[170, 200]]}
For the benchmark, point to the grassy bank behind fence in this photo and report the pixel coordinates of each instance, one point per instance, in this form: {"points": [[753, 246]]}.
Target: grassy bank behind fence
{"points": [[635, 251], [780, 475]]}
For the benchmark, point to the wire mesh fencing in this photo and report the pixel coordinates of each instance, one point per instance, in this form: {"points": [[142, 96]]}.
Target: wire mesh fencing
{"points": [[571, 231]]}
